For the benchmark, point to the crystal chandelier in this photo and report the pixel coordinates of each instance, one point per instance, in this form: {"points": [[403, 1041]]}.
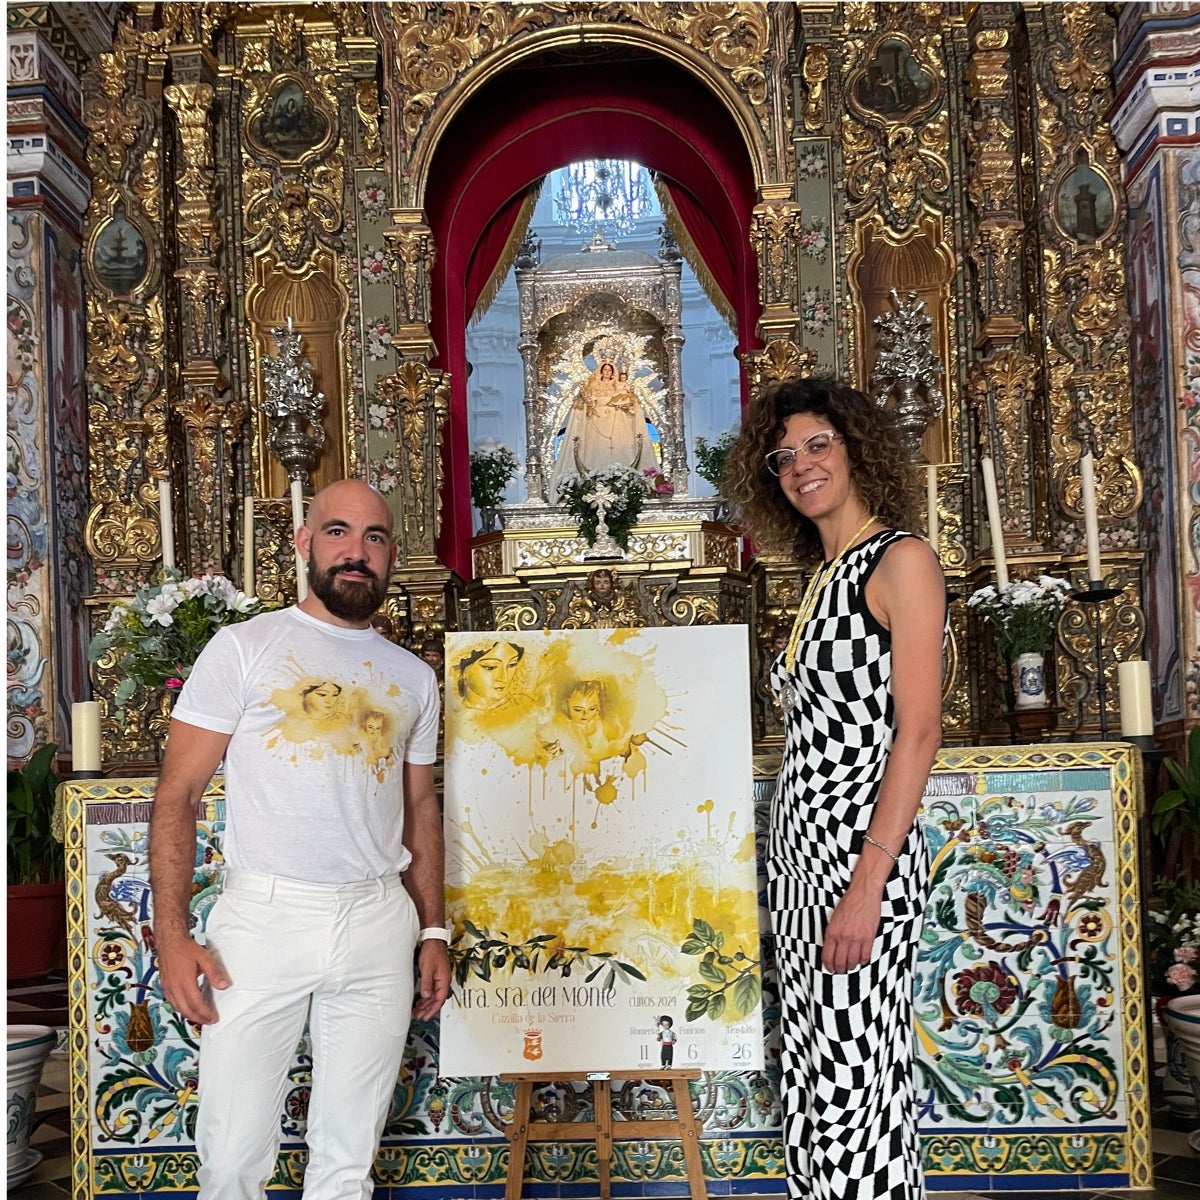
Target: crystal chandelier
{"points": [[606, 195]]}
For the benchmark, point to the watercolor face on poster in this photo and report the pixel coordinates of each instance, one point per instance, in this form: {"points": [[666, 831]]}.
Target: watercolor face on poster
{"points": [[600, 852]]}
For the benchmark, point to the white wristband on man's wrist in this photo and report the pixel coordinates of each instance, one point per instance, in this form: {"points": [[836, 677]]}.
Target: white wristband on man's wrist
{"points": [[439, 932]]}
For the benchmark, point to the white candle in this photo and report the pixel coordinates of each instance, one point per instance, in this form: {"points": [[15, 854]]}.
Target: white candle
{"points": [[85, 735], [993, 512], [297, 521], [166, 522], [289, 324], [931, 504], [1133, 688], [1091, 522], [249, 583]]}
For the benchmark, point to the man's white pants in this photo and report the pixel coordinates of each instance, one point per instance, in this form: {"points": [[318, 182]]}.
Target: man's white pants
{"points": [[339, 957]]}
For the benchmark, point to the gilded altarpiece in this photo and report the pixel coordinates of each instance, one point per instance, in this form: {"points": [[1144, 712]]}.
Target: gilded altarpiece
{"points": [[307, 202], [1024, 286]]}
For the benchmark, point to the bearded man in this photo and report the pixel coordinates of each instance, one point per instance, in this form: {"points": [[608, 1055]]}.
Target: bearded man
{"points": [[334, 856]]}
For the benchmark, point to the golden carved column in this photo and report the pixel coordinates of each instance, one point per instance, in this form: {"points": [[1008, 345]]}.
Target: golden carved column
{"points": [[412, 253], [1003, 379], [211, 421], [123, 266], [418, 398], [362, 60], [421, 603], [416, 394], [1084, 327], [775, 228]]}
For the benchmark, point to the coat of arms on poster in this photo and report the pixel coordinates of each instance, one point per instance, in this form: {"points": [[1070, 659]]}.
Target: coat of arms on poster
{"points": [[600, 852]]}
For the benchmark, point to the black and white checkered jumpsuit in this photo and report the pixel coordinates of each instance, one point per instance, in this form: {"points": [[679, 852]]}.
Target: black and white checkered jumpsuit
{"points": [[846, 1040]]}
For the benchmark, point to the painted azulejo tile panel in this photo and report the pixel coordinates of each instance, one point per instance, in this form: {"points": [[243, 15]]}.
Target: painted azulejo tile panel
{"points": [[1031, 1061], [135, 1062], [1029, 1013]]}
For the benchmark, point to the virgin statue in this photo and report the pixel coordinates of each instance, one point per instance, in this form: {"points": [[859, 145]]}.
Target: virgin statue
{"points": [[606, 427]]}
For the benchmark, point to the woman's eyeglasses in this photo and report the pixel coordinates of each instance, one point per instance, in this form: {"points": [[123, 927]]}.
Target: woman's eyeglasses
{"points": [[813, 449]]}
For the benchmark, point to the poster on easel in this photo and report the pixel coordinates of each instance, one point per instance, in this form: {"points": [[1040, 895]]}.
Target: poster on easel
{"points": [[600, 867]]}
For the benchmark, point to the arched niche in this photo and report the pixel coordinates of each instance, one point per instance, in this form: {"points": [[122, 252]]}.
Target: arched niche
{"points": [[525, 123], [922, 261], [318, 310]]}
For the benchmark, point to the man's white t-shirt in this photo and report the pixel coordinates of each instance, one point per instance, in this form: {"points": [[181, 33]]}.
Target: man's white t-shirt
{"points": [[321, 720]]}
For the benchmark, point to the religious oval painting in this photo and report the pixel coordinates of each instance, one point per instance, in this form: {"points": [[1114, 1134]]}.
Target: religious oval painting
{"points": [[1085, 203], [289, 125], [894, 82], [119, 254]]}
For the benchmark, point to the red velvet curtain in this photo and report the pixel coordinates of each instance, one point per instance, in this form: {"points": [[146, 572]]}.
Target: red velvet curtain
{"points": [[525, 125], [706, 238], [491, 245]]}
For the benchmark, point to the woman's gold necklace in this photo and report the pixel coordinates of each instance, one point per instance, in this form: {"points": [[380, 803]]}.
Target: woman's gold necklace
{"points": [[808, 604]]}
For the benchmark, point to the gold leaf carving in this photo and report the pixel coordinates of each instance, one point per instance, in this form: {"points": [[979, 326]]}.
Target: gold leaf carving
{"points": [[816, 72], [901, 168], [780, 359], [988, 74], [191, 103], [419, 398], [860, 16], [366, 104], [413, 254], [114, 122], [437, 44], [776, 226], [1001, 389], [603, 603], [993, 180]]}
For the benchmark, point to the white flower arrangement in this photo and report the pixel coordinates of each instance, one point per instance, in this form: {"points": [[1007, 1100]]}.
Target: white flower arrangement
{"points": [[1024, 612], [159, 634], [492, 469]]}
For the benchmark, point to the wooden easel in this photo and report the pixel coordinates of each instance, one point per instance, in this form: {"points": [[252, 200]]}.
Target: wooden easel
{"points": [[523, 1130]]}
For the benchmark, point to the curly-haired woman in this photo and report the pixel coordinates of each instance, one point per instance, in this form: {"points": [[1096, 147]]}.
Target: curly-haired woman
{"points": [[819, 471]]}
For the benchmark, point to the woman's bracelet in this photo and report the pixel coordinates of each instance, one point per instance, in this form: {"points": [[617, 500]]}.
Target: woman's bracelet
{"points": [[880, 846]]}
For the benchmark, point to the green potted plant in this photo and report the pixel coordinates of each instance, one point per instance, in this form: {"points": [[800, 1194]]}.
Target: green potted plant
{"points": [[1172, 942], [1173, 928], [36, 898], [492, 470], [1175, 817], [1024, 614], [710, 462], [711, 456]]}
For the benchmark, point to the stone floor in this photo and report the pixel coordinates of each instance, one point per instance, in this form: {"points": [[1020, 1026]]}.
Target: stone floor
{"points": [[1176, 1166]]}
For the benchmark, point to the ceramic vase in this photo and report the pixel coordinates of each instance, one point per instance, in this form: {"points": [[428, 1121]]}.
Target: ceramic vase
{"points": [[28, 1048], [1031, 680], [1182, 1019]]}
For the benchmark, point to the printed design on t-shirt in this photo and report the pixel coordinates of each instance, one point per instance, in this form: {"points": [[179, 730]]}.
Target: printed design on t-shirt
{"points": [[321, 714]]}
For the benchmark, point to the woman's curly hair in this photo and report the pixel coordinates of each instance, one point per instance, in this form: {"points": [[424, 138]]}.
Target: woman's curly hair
{"points": [[879, 465]]}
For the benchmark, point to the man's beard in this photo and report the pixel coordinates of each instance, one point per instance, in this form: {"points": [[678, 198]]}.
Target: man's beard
{"points": [[351, 600]]}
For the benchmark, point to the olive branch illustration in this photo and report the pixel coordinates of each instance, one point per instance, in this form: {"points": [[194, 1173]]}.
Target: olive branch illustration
{"points": [[478, 952], [730, 981]]}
